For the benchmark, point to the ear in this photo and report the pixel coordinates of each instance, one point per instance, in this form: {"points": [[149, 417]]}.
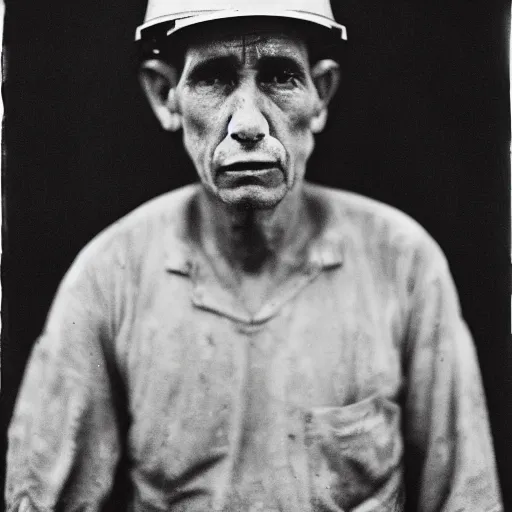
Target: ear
{"points": [[158, 81], [326, 77]]}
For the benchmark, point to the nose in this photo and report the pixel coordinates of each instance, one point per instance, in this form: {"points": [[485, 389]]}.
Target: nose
{"points": [[247, 125]]}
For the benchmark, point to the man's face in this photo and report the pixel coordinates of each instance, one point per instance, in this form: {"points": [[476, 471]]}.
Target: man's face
{"points": [[246, 100]]}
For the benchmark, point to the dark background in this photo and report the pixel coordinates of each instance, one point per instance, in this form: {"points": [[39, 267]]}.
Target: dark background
{"points": [[421, 122]]}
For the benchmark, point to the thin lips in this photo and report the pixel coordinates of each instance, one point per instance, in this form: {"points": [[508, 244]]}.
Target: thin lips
{"points": [[249, 166]]}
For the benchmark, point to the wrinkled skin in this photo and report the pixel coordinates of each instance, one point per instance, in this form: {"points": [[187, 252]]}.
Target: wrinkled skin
{"points": [[248, 99], [249, 102]]}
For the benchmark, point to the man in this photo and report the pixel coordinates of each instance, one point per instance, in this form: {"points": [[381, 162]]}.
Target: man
{"points": [[253, 343]]}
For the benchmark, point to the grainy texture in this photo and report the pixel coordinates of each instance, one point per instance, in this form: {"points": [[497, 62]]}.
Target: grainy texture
{"points": [[360, 357]]}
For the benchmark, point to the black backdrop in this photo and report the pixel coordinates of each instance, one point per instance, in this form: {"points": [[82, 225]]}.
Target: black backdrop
{"points": [[421, 122]]}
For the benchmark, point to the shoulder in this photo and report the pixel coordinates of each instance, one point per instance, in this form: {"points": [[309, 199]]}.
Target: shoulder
{"points": [[373, 233], [371, 220], [135, 233], [365, 212], [166, 210]]}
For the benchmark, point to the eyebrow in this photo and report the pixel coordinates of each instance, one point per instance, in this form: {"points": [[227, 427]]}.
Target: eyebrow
{"points": [[224, 62], [282, 61], [232, 62]]}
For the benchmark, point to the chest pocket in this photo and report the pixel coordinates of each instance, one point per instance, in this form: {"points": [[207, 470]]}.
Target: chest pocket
{"points": [[355, 456]]}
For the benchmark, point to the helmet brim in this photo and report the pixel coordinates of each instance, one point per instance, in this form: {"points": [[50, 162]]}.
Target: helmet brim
{"points": [[168, 25]]}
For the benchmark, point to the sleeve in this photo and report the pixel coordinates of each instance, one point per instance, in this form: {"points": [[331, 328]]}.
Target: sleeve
{"points": [[63, 443], [450, 464]]}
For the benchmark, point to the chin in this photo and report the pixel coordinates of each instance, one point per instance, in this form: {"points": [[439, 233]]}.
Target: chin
{"points": [[253, 196]]}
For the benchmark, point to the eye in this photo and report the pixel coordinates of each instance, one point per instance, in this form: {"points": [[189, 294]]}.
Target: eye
{"points": [[213, 79], [277, 76], [213, 75], [280, 73]]}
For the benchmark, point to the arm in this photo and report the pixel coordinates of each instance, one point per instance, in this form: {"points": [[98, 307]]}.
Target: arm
{"points": [[63, 438], [450, 463]]}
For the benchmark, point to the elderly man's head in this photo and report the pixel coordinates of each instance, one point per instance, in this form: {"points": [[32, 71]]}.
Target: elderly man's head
{"points": [[249, 96]]}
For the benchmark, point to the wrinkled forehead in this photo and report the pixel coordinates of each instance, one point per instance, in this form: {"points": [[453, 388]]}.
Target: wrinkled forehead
{"points": [[248, 40]]}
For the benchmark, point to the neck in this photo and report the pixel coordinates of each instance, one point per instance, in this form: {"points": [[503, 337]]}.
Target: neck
{"points": [[252, 240]]}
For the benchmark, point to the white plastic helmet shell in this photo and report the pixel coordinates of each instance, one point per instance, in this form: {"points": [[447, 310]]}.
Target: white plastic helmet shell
{"points": [[183, 13]]}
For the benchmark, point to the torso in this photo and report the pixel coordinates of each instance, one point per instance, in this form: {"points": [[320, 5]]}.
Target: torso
{"points": [[286, 402]]}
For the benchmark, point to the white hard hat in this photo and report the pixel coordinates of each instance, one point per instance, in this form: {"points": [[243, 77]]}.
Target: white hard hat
{"points": [[168, 16]]}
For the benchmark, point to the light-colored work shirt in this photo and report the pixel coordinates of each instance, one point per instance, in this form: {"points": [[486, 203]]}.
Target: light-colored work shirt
{"points": [[356, 377]]}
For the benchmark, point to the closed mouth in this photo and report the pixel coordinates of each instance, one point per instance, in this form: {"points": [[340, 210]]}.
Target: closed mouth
{"points": [[249, 166]]}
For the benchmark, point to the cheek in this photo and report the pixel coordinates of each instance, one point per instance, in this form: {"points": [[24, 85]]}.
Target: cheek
{"points": [[200, 111], [195, 120], [298, 136], [297, 111], [200, 129]]}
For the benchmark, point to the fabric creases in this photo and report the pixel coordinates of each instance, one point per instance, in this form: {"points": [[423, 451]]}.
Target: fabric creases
{"points": [[355, 388]]}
